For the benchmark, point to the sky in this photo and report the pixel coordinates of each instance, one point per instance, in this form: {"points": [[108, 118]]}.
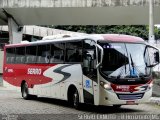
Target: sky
{"points": [[158, 25]]}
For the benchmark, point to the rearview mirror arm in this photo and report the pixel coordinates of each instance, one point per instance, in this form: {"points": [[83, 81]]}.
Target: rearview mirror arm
{"points": [[102, 53]]}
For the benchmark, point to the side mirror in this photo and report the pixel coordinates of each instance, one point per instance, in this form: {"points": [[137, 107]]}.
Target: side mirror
{"points": [[156, 56], [151, 55]]}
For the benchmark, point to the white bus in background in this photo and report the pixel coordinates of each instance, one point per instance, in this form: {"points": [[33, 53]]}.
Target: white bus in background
{"points": [[107, 69]]}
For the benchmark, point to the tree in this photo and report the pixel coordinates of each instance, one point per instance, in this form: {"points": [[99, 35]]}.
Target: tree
{"points": [[135, 30]]}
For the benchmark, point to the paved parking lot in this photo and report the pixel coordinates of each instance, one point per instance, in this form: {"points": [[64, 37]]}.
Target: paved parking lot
{"points": [[11, 103]]}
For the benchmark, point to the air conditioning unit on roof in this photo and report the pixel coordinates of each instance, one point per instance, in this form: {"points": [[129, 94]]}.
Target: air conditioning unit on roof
{"points": [[60, 36]]}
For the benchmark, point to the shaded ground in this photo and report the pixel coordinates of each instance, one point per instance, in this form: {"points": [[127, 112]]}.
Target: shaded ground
{"points": [[156, 88]]}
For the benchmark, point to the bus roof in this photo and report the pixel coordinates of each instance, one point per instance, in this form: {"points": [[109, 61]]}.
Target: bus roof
{"points": [[103, 37], [121, 38]]}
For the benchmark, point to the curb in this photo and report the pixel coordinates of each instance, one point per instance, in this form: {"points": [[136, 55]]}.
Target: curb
{"points": [[155, 100]]}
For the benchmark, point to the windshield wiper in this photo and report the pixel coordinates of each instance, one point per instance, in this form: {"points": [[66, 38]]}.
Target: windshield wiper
{"points": [[125, 63], [134, 68], [131, 61]]}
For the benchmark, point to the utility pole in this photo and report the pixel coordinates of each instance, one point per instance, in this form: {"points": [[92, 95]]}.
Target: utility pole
{"points": [[151, 22]]}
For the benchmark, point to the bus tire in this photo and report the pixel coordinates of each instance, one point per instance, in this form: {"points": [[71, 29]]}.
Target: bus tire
{"points": [[75, 98], [24, 91]]}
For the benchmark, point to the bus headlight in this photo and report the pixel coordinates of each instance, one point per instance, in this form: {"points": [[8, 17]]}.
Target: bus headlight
{"points": [[105, 85]]}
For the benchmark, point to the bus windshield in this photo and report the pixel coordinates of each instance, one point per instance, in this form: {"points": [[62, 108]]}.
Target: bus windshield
{"points": [[123, 60]]}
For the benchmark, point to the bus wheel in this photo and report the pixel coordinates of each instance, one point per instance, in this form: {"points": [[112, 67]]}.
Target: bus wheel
{"points": [[76, 99], [24, 91]]}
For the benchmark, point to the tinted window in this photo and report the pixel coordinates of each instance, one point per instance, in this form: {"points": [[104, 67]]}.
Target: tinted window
{"points": [[74, 52], [89, 57], [115, 57], [43, 54], [31, 54], [20, 55], [10, 55], [57, 53]]}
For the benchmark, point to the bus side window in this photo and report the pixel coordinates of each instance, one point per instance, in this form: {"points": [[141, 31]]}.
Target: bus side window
{"points": [[57, 53], [74, 51], [20, 55], [10, 55], [31, 54], [43, 54], [58, 56]]}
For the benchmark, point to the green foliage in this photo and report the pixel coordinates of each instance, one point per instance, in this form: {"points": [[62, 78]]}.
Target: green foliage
{"points": [[157, 33], [139, 30]]}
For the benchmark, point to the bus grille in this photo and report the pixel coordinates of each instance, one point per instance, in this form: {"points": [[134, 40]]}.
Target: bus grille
{"points": [[130, 96]]}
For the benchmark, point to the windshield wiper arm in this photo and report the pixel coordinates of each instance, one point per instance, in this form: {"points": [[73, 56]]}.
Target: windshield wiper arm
{"points": [[132, 63], [125, 63], [134, 67]]}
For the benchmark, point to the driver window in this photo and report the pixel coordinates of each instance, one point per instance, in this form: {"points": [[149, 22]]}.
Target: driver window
{"points": [[89, 57], [152, 56], [74, 51]]}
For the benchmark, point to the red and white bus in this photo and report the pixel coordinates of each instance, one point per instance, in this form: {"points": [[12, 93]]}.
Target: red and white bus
{"points": [[106, 69]]}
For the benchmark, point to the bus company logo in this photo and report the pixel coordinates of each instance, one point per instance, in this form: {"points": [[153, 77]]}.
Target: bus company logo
{"points": [[8, 70], [34, 71], [123, 88]]}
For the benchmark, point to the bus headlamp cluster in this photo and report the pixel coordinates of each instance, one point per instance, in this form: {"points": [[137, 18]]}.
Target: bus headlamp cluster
{"points": [[105, 85]]}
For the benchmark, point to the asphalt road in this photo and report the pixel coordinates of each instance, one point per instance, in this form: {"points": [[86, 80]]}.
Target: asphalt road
{"points": [[13, 106]]}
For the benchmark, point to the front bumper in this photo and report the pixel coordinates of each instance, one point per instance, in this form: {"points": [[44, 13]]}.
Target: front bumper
{"points": [[108, 98]]}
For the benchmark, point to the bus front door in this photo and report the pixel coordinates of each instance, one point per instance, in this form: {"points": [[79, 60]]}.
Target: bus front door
{"points": [[88, 90]]}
